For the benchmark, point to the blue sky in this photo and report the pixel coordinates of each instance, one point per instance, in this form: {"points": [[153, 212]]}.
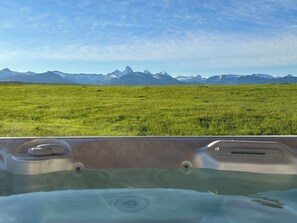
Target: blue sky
{"points": [[182, 37]]}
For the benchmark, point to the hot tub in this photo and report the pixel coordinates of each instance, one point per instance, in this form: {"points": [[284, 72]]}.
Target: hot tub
{"points": [[148, 179]]}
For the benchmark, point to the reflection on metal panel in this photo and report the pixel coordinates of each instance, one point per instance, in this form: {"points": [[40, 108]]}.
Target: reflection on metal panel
{"points": [[29, 156]]}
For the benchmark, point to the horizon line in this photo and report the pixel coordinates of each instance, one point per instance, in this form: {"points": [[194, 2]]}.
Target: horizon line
{"points": [[201, 75]]}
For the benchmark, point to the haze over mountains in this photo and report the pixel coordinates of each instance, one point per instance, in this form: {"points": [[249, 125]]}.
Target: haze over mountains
{"points": [[130, 77]]}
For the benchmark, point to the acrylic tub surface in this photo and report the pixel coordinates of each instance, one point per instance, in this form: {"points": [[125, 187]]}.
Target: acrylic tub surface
{"points": [[277, 155]]}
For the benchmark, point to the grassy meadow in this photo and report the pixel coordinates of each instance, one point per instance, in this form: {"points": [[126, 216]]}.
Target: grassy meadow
{"points": [[73, 110]]}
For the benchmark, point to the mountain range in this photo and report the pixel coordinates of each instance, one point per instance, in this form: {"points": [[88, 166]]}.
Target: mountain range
{"points": [[130, 77]]}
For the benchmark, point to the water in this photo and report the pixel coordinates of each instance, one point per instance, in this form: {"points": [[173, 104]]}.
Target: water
{"points": [[148, 195]]}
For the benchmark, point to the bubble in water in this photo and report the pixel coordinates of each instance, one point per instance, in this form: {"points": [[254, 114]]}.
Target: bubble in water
{"points": [[131, 203]]}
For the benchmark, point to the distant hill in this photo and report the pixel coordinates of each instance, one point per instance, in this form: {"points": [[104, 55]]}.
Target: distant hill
{"points": [[238, 79], [129, 77], [48, 78]]}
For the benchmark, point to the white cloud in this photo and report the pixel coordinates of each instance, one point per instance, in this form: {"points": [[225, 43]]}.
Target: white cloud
{"points": [[199, 49]]}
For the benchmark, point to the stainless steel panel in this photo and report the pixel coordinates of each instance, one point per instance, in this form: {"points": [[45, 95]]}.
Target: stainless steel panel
{"points": [[28, 156]]}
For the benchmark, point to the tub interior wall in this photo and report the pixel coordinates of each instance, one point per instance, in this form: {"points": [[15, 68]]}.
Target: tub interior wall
{"points": [[262, 154]]}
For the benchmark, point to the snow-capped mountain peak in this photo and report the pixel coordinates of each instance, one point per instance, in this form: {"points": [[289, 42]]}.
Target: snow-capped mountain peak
{"points": [[267, 76], [6, 70], [115, 74], [30, 73], [147, 72], [128, 70], [61, 74], [184, 78], [129, 77], [194, 79], [164, 73]]}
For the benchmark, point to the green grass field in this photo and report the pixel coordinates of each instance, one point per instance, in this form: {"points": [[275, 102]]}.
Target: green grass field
{"points": [[61, 110]]}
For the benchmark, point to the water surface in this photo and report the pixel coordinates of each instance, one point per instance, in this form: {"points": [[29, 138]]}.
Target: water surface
{"points": [[148, 195]]}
